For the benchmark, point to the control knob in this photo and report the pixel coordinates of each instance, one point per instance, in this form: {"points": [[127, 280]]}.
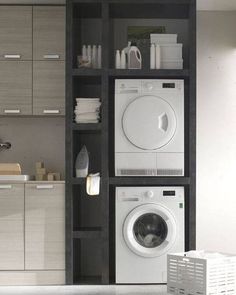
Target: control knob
{"points": [[149, 194]]}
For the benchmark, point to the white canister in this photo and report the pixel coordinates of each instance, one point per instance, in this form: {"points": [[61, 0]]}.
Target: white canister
{"points": [[94, 57], [152, 57], [158, 56], [118, 59], [99, 63], [84, 52], [123, 60]]}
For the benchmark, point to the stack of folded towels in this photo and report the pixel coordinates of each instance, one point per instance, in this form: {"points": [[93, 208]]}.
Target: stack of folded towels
{"points": [[87, 110]]}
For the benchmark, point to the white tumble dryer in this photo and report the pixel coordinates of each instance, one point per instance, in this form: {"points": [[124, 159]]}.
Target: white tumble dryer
{"points": [[149, 225], [149, 127]]}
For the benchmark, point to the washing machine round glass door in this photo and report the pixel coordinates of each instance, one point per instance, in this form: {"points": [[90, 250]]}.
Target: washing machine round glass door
{"points": [[150, 230], [149, 122]]}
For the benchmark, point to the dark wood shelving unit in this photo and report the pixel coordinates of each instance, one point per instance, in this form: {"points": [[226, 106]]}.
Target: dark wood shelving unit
{"points": [[149, 181], [90, 241]]}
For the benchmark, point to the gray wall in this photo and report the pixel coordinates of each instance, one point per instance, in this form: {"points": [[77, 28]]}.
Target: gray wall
{"points": [[216, 131], [34, 139]]}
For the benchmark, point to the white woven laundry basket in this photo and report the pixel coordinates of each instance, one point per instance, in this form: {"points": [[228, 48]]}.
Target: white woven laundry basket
{"points": [[201, 276]]}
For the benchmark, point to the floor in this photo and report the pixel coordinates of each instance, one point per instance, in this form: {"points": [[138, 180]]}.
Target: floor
{"points": [[85, 290]]}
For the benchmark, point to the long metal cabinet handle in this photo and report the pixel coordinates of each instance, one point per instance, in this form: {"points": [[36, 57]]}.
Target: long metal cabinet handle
{"points": [[44, 186], [51, 56], [51, 111], [12, 111], [4, 186], [12, 56]]}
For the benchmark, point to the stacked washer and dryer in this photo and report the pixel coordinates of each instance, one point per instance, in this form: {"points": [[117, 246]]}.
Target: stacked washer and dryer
{"points": [[149, 141]]}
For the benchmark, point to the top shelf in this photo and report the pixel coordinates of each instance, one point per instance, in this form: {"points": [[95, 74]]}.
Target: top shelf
{"points": [[176, 9], [132, 73]]}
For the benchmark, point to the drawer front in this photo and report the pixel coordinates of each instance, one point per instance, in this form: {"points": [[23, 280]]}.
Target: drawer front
{"points": [[49, 88], [48, 33], [16, 33], [15, 87], [11, 226], [44, 226]]}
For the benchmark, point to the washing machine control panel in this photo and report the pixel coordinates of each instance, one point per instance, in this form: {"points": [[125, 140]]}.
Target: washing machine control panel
{"points": [[157, 85], [150, 194]]}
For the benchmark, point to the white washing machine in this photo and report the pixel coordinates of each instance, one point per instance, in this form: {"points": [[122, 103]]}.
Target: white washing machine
{"points": [[149, 224], [149, 127]]}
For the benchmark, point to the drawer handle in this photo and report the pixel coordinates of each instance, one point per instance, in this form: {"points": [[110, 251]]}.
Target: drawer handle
{"points": [[45, 186], [51, 111], [12, 111], [12, 56], [51, 56], [3, 186]]}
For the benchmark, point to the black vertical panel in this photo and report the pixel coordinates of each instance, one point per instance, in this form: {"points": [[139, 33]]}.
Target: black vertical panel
{"points": [[69, 145], [192, 127], [105, 145]]}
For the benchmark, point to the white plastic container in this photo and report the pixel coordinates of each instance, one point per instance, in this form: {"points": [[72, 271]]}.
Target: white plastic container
{"points": [[94, 56], [134, 57], [152, 57], [171, 51], [163, 38], [213, 274], [118, 59], [123, 60], [172, 64], [158, 56], [99, 57]]}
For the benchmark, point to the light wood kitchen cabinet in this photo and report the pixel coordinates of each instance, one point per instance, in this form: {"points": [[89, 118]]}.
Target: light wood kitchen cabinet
{"points": [[16, 32], [48, 32], [49, 88], [11, 226], [15, 87], [44, 226]]}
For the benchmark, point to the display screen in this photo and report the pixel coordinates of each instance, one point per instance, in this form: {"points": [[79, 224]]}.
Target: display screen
{"points": [[168, 193], [168, 85]]}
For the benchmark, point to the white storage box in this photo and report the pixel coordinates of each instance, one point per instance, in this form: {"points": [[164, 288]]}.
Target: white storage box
{"points": [[172, 64], [213, 274], [163, 38], [171, 51]]}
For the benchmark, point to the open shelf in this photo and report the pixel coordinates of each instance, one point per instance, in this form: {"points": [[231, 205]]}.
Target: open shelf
{"points": [[149, 181], [87, 127], [149, 73], [85, 72], [87, 233]]}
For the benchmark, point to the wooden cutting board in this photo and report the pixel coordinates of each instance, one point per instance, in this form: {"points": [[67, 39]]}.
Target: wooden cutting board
{"points": [[10, 169]]}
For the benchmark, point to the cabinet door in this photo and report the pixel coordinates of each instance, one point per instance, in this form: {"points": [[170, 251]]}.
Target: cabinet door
{"points": [[44, 226], [48, 33], [49, 88], [16, 32], [15, 87], [11, 226]]}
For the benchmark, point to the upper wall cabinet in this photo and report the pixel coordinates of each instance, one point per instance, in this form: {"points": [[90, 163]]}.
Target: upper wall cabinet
{"points": [[16, 32], [15, 88], [48, 33]]}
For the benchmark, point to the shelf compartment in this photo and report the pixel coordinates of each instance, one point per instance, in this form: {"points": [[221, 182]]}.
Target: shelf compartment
{"points": [[86, 72], [87, 233], [86, 128], [142, 181], [155, 9], [86, 209], [87, 261], [149, 73]]}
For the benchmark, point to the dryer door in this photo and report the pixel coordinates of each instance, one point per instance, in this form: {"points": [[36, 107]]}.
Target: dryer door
{"points": [[150, 230], [149, 122]]}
